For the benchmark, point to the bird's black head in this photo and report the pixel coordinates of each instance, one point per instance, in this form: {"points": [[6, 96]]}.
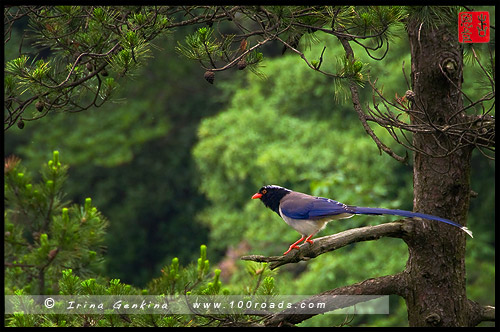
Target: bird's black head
{"points": [[271, 196]]}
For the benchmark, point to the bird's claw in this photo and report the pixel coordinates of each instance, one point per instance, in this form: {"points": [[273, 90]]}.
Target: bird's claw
{"points": [[293, 246]]}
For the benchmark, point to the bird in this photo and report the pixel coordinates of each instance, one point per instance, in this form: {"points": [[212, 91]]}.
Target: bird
{"points": [[309, 214]]}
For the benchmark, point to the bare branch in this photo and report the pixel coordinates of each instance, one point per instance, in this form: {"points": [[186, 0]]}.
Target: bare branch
{"points": [[475, 130], [386, 285], [333, 242]]}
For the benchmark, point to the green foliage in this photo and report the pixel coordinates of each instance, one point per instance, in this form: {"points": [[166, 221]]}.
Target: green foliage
{"points": [[135, 48], [44, 233], [81, 42], [375, 20], [434, 16], [203, 263], [200, 45], [175, 280], [353, 69], [203, 46], [37, 263]]}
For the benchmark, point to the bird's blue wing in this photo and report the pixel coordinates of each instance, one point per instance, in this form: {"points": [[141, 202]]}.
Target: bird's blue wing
{"points": [[310, 207], [296, 207], [323, 207]]}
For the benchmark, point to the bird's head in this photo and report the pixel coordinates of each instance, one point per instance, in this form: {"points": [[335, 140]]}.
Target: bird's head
{"points": [[271, 196]]}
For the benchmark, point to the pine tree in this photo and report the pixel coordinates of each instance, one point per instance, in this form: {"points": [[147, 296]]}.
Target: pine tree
{"points": [[45, 234]]}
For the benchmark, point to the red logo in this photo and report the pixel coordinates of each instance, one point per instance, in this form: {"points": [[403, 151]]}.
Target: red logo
{"points": [[473, 27]]}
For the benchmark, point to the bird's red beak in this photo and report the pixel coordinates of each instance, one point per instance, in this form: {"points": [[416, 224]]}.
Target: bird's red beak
{"points": [[257, 195]]}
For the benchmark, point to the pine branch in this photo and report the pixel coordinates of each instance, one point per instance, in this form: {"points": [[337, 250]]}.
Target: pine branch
{"points": [[362, 116]]}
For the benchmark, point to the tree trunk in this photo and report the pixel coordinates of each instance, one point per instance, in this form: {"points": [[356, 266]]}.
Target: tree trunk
{"points": [[435, 269]]}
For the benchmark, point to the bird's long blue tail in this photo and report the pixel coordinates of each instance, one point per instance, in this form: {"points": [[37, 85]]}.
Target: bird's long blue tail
{"points": [[409, 214]]}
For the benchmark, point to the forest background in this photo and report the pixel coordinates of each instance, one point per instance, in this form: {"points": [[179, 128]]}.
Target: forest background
{"points": [[172, 161]]}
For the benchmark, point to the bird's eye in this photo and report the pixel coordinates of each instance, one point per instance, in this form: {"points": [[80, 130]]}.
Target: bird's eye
{"points": [[264, 191]]}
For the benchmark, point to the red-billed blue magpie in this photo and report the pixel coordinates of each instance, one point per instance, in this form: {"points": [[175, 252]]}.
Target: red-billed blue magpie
{"points": [[309, 214]]}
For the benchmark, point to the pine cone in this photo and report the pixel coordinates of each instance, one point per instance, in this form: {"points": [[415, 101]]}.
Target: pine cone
{"points": [[410, 95], [39, 106], [209, 76], [242, 64], [52, 254]]}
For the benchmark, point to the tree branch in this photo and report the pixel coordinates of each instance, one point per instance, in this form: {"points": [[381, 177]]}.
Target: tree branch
{"points": [[386, 285], [480, 313], [361, 115], [325, 244], [488, 313]]}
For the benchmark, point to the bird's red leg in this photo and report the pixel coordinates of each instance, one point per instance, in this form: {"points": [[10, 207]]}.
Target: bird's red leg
{"points": [[309, 239], [294, 246]]}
